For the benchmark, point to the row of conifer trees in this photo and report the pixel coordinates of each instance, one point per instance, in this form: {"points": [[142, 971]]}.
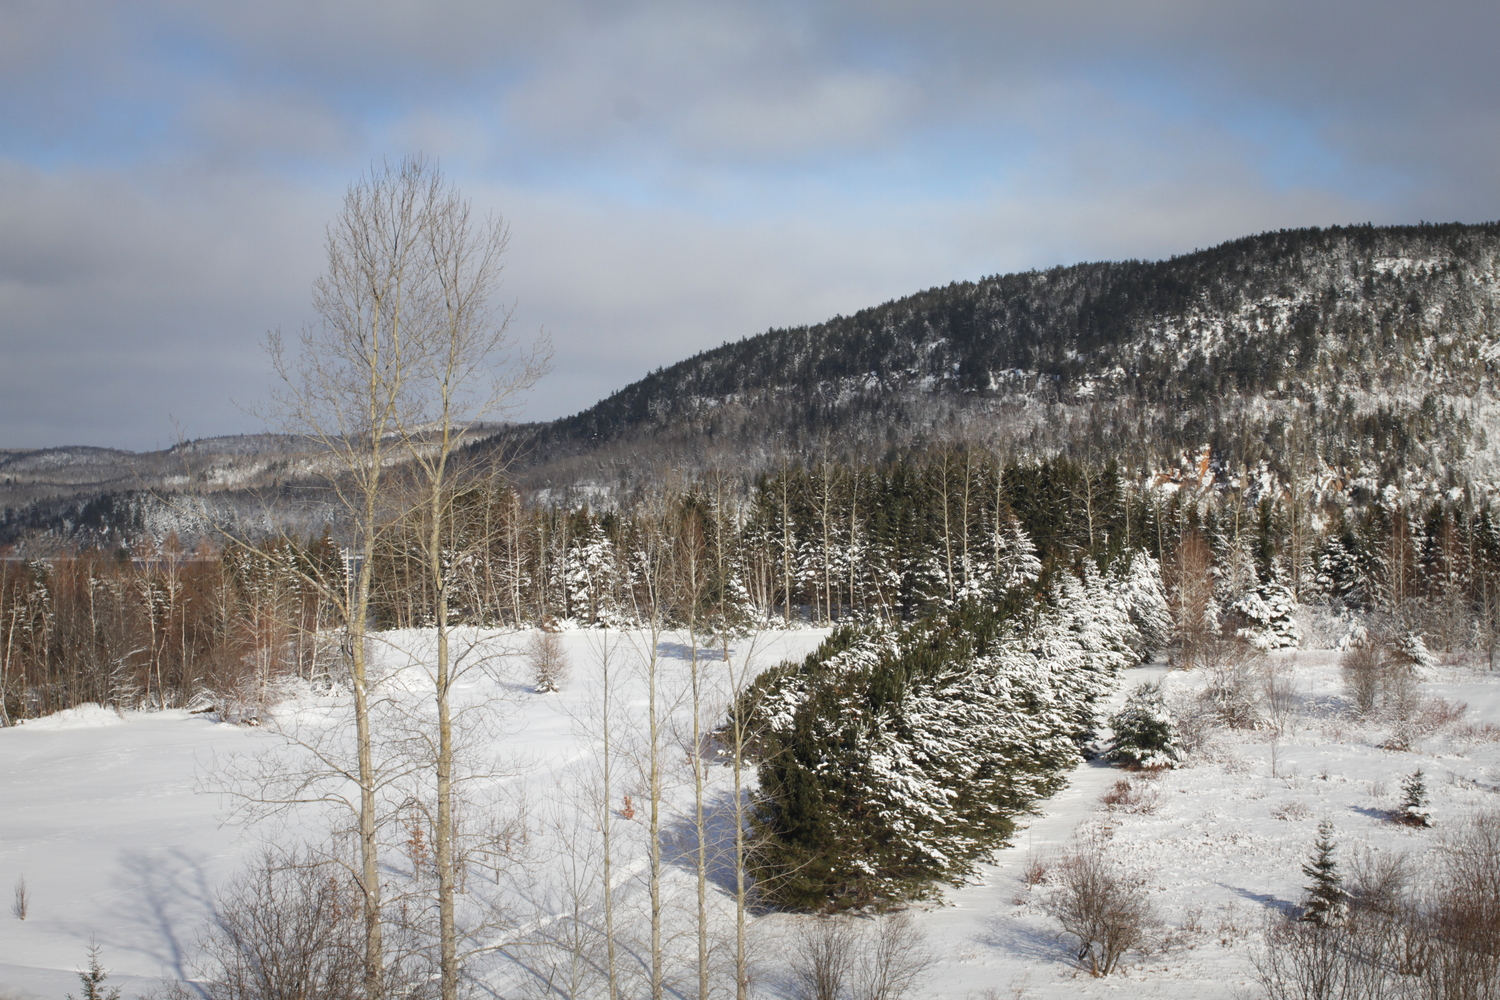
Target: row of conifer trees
{"points": [[154, 624]]}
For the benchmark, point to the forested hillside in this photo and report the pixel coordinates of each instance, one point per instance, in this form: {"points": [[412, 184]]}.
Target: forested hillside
{"points": [[1349, 355], [1369, 349]]}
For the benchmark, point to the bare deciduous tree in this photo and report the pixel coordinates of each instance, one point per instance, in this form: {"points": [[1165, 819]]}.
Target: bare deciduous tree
{"points": [[548, 662], [347, 391], [412, 350]]}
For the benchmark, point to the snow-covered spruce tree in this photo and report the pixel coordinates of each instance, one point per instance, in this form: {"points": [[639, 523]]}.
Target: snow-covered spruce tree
{"points": [[1414, 800], [1268, 612], [1145, 734], [891, 761], [1144, 599], [1327, 903]]}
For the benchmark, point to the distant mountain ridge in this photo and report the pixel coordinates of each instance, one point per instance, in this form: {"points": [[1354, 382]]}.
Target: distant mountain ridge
{"points": [[1380, 342], [1367, 353]]}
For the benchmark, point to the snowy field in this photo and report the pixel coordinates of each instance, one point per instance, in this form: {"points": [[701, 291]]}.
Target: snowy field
{"points": [[119, 826]]}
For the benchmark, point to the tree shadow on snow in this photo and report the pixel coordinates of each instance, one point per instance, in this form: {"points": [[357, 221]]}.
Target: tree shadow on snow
{"points": [[682, 651], [1283, 906], [163, 901], [1021, 938], [680, 840]]}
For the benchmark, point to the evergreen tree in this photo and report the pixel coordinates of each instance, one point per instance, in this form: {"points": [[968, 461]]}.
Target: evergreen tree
{"points": [[92, 981], [1144, 732], [1268, 613], [1414, 800], [891, 760], [1327, 902]]}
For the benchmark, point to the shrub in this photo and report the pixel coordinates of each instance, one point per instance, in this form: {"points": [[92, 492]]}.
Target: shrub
{"points": [[292, 927], [1414, 800], [823, 957], [832, 960], [1108, 912]]}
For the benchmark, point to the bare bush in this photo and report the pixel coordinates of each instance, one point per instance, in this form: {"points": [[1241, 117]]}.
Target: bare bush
{"points": [[1197, 720], [1291, 810], [1108, 911], [1434, 714], [895, 961], [1394, 944], [1278, 696], [549, 663], [290, 929], [1463, 919], [1379, 881], [1232, 686], [1038, 869], [1360, 666], [1131, 797], [1379, 674], [823, 957], [1351, 961], [22, 903], [832, 960]]}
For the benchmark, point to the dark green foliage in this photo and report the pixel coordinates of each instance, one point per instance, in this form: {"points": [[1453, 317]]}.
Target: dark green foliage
{"points": [[92, 981], [1414, 800], [1144, 735], [1327, 902], [890, 762]]}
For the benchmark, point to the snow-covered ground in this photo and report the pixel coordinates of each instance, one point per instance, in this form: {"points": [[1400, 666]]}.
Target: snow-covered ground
{"points": [[118, 825]]}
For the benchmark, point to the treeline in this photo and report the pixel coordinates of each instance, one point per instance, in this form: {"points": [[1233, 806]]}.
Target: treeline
{"points": [[831, 542], [893, 761], [158, 626]]}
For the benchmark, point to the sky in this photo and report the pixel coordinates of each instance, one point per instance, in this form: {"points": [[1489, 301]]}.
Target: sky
{"points": [[674, 174]]}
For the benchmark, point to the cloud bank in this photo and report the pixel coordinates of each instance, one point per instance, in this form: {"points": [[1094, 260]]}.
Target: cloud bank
{"points": [[676, 174]]}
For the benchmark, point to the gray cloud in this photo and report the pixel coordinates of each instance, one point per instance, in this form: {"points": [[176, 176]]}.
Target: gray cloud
{"points": [[677, 173]]}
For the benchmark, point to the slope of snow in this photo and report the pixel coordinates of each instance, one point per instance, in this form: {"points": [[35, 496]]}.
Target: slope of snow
{"points": [[119, 828]]}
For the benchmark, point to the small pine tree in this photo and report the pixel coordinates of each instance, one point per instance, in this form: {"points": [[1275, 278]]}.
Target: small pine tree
{"points": [[1414, 800], [1327, 903], [93, 979], [1145, 734]]}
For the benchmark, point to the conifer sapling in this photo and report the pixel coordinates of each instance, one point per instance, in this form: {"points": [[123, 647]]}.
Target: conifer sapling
{"points": [[1414, 800], [93, 980], [1327, 902], [1145, 733]]}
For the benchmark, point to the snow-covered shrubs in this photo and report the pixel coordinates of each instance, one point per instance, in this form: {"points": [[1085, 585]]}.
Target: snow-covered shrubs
{"points": [[1145, 734], [893, 760]]}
